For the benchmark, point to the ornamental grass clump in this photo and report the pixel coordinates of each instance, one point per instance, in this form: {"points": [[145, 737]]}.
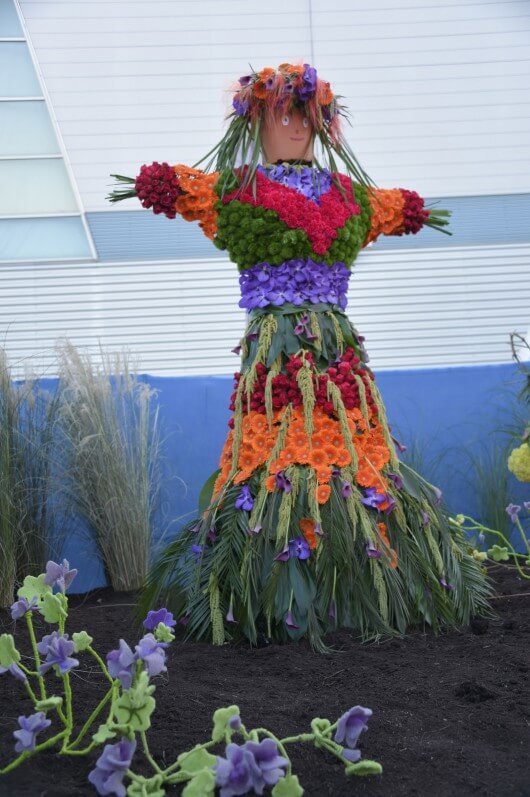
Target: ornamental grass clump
{"points": [[234, 761], [111, 447], [28, 416]]}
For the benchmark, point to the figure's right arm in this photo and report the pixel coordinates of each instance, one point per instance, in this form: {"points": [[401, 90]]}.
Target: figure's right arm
{"points": [[174, 189]]}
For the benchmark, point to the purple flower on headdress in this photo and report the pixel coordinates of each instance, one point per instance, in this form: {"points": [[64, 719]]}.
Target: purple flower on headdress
{"points": [[152, 654], [244, 500], [309, 83], [15, 671], [245, 80], [58, 651], [159, 616], [351, 725], [513, 511], [249, 767], [29, 728], [299, 547], [283, 482], [111, 767], [121, 664], [20, 607], [59, 575], [372, 498], [240, 106]]}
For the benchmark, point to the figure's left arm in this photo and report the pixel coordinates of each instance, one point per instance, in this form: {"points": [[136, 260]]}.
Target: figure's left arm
{"points": [[396, 211]]}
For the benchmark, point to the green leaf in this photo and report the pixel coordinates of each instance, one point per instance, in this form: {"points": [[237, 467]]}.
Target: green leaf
{"points": [[163, 633], [34, 587], [8, 653], [206, 493], [302, 585], [363, 768], [202, 785], [147, 787], [135, 705], [196, 760], [221, 718], [54, 607], [82, 641], [411, 482], [289, 786], [49, 704], [498, 553], [103, 733]]}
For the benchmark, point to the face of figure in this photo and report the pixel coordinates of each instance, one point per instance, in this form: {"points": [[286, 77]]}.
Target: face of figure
{"points": [[288, 137]]}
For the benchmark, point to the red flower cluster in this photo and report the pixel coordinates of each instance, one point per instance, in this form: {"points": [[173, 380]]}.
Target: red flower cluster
{"points": [[414, 215], [157, 186], [321, 222], [285, 388]]}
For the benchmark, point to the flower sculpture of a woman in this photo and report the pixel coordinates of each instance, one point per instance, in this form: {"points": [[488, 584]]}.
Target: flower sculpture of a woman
{"points": [[311, 522]]}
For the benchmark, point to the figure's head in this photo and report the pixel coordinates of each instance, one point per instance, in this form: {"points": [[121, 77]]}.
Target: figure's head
{"points": [[287, 137]]}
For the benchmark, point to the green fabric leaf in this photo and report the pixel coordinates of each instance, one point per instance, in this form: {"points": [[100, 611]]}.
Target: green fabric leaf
{"points": [[202, 785], [205, 496], [54, 607], [49, 704], [196, 760], [289, 786], [498, 553], [163, 633], [82, 641], [103, 733], [8, 653], [363, 768], [146, 787], [135, 705], [34, 587], [221, 718]]}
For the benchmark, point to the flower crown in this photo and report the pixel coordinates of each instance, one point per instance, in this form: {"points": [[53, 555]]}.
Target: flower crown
{"points": [[278, 91]]}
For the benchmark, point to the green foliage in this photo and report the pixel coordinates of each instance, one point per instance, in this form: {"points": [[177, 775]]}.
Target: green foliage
{"points": [[288, 787], [8, 653], [135, 705]]}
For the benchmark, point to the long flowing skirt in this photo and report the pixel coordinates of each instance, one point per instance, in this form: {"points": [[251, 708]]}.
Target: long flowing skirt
{"points": [[311, 522]]}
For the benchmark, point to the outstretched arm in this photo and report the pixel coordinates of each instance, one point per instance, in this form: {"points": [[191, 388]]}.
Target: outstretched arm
{"points": [[396, 211], [171, 190]]}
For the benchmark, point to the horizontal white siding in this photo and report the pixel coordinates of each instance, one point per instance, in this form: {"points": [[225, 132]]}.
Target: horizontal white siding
{"points": [[439, 91], [420, 308]]}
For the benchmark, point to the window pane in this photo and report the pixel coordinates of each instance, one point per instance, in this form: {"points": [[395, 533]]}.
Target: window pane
{"points": [[35, 186], [9, 21], [26, 129], [17, 75], [42, 239]]}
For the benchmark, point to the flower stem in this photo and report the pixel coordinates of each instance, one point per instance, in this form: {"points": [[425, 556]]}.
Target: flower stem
{"points": [[148, 754], [23, 756], [101, 664], [36, 656], [30, 691], [523, 535], [101, 705]]}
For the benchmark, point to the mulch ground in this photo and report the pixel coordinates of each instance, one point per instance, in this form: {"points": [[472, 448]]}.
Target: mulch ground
{"points": [[451, 713]]}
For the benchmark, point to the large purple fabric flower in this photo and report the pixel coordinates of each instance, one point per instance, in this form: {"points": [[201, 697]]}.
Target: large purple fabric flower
{"points": [[111, 767], [120, 664], [299, 547], [294, 281], [244, 500], [249, 767], [513, 511], [351, 724], [159, 616], [58, 651], [59, 575], [29, 728], [15, 671], [22, 606], [152, 654]]}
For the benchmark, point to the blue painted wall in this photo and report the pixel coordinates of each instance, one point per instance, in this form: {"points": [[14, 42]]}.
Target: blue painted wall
{"points": [[446, 410]]}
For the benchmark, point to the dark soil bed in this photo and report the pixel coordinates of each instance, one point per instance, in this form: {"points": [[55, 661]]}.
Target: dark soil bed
{"points": [[451, 713]]}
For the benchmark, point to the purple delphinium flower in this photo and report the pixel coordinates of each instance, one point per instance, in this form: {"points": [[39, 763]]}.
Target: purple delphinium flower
{"points": [[59, 575], [346, 489], [244, 500], [425, 519], [20, 607], [445, 584], [309, 83], [121, 663], [335, 472], [283, 556], [372, 552], [58, 651], [372, 498], [513, 511], [197, 550], [256, 530], [15, 671], [249, 767], [283, 482], [236, 350], [299, 547], [159, 616], [437, 496], [351, 724], [229, 617], [391, 504], [400, 447], [240, 106], [289, 621], [244, 80], [152, 654], [29, 728], [396, 478], [111, 766]]}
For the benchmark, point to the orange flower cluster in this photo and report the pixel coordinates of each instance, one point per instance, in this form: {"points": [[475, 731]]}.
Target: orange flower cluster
{"points": [[388, 548], [307, 527], [198, 200], [326, 449], [387, 212]]}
